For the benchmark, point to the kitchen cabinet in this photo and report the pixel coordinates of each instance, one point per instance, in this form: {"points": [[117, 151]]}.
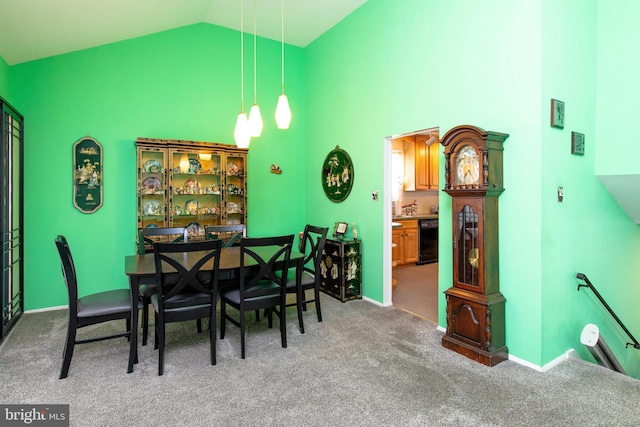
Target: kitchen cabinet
{"points": [[405, 240], [421, 163], [427, 164], [190, 184]]}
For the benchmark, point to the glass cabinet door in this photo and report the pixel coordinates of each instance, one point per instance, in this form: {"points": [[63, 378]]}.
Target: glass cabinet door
{"points": [[11, 154], [235, 188], [152, 188], [196, 190]]}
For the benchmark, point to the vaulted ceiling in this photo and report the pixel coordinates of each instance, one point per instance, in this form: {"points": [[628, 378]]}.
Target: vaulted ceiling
{"points": [[35, 29]]}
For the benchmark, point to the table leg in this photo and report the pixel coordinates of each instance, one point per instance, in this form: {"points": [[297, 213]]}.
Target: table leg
{"points": [[133, 337]]}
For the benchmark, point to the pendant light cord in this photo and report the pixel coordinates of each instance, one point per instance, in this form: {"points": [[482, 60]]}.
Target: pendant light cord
{"points": [[242, 56], [255, 89], [282, 36]]}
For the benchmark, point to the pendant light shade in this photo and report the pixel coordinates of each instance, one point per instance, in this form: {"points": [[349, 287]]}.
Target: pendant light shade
{"points": [[283, 112], [242, 134], [255, 121]]}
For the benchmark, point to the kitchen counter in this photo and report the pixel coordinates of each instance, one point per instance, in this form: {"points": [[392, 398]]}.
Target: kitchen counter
{"points": [[416, 216]]}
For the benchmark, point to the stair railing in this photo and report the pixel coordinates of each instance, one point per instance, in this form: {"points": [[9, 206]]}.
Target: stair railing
{"points": [[589, 285]]}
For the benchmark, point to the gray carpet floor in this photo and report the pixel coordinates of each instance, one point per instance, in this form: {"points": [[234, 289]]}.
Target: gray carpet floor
{"points": [[364, 365]]}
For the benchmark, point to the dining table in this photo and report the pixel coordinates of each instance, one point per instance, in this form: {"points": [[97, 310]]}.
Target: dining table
{"points": [[141, 270]]}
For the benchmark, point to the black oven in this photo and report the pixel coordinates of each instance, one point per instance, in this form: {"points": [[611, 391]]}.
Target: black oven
{"points": [[427, 241]]}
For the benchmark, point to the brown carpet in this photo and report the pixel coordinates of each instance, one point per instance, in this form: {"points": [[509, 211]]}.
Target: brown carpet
{"points": [[416, 290]]}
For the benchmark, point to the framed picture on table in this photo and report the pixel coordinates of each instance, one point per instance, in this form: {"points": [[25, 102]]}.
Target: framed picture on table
{"points": [[341, 228]]}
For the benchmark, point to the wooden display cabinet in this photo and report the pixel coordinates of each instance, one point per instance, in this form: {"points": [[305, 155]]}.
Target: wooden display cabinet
{"points": [[341, 269], [190, 184]]}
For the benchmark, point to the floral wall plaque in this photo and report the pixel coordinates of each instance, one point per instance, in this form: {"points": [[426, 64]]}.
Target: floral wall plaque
{"points": [[337, 175], [87, 175]]}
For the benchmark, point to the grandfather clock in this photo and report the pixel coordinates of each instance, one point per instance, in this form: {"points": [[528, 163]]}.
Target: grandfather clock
{"points": [[475, 306]]}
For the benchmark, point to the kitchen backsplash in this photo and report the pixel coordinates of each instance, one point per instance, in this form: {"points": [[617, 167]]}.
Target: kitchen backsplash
{"points": [[426, 201]]}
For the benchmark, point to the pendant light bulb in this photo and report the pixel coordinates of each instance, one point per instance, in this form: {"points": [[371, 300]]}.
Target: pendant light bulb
{"points": [[242, 135], [255, 120]]}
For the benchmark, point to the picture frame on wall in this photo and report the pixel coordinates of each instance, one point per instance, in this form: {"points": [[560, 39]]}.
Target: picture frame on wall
{"points": [[557, 114], [577, 143]]}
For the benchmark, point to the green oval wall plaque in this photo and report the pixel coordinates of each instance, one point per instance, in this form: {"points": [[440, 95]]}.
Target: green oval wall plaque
{"points": [[87, 175], [337, 175]]}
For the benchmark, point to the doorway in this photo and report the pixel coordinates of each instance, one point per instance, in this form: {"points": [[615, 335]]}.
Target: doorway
{"points": [[413, 184]]}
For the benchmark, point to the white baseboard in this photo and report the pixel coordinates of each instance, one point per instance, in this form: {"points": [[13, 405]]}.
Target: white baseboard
{"points": [[40, 310], [555, 362]]}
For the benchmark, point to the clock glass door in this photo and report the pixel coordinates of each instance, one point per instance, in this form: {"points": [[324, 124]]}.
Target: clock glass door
{"points": [[467, 247]]}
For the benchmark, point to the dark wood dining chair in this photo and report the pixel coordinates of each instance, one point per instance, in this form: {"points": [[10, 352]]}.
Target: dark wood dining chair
{"points": [[229, 233], [91, 309], [312, 245], [261, 285], [184, 292], [146, 238]]}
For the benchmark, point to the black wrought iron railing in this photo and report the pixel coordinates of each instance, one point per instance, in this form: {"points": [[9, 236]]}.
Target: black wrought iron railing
{"points": [[634, 343]]}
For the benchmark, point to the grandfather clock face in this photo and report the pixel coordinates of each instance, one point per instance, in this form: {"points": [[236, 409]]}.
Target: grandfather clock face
{"points": [[467, 248], [466, 166]]}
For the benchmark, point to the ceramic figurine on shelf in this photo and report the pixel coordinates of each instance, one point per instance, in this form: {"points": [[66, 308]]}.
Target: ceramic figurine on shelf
{"points": [[355, 231]]}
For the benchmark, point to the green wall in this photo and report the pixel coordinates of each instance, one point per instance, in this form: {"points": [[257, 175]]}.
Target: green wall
{"points": [[4, 79], [181, 84]]}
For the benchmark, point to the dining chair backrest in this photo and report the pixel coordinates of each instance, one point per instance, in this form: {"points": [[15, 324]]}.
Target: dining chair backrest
{"points": [[314, 238], [229, 233], [185, 274], [255, 268], [168, 234], [68, 272]]}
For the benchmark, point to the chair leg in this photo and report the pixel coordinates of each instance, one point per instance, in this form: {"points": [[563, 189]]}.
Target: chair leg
{"points": [[299, 307], [242, 327], [317, 297], [145, 319], [212, 336], [160, 339], [283, 324], [223, 319], [199, 325], [68, 351]]}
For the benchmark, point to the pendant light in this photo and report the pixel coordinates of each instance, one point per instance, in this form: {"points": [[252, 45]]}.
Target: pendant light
{"points": [[255, 118], [283, 112], [241, 133]]}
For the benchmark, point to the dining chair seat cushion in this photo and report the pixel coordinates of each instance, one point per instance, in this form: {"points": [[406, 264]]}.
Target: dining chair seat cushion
{"points": [[105, 303], [186, 299], [308, 279], [260, 291]]}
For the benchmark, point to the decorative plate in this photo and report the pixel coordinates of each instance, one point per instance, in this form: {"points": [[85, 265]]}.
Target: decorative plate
{"points": [[194, 229], [152, 185], [151, 208], [152, 166], [192, 206], [152, 226], [337, 175], [195, 166]]}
